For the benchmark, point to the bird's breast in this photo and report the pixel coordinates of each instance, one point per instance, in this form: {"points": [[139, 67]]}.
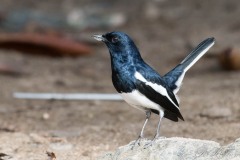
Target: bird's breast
{"points": [[123, 79]]}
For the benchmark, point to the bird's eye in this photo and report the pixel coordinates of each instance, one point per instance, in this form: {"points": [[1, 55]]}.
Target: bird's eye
{"points": [[114, 39]]}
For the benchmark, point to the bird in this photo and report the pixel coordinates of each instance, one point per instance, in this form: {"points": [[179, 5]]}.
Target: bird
{"points": [[143, 87]]}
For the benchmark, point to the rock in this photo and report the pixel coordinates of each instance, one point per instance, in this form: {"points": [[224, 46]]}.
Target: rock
{"points": [[36, 138], [216, 112], [176, 149], [45, 116], [229, 59], [61, 146]]}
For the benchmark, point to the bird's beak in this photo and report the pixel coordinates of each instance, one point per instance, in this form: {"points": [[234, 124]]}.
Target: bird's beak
{"points": [[99, 37]]}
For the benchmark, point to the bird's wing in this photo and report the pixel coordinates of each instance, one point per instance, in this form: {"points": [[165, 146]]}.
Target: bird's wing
{"points": [[175, 76], [155, 90]]}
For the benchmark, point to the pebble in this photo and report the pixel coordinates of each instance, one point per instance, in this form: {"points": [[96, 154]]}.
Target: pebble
{"points": [[46, 116], [61, 146], [216, 112]]}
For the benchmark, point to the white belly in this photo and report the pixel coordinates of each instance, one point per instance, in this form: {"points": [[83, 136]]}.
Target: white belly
{"points": [[138, 100]]}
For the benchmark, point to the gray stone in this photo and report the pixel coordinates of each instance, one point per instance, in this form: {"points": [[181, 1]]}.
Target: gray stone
{"points": [[61, 146], [216, 112], [176, 149]]}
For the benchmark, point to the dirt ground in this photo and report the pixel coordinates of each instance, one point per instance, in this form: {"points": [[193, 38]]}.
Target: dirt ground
{"points": [[163, 31]]}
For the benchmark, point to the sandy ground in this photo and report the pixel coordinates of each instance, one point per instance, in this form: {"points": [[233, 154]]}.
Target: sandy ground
{"points": [[163, 31]]}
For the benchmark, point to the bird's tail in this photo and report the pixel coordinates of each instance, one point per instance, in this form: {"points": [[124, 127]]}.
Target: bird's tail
{"points": [[197, 53], [175, 76]]}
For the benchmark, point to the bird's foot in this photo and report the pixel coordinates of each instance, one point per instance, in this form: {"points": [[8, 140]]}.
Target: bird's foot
{"points": [[137, 142], [150, 144]]}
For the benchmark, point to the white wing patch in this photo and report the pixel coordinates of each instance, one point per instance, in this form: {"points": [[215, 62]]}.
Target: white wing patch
{"points": [[160, 89], [139, 101]]}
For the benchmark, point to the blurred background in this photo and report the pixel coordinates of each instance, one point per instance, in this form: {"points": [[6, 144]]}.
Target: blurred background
{"points": [[46, 46]]}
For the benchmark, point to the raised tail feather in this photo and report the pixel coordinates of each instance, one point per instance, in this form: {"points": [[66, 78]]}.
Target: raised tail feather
{"points": [[197, 53], [175, 76]]}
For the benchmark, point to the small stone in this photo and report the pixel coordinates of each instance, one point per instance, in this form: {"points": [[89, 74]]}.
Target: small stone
{"points": [[51, 155], [46, 116], [38, 139], [216, 112], [61, 146]]}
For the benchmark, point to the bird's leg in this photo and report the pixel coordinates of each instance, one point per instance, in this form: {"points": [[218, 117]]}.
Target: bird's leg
{"points": [[161, 114], [148, 115]]}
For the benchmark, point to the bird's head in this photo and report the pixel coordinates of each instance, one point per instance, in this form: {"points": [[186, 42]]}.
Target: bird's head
{"points": [[118, 43]]}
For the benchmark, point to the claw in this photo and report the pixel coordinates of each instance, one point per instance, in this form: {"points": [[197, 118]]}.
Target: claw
{"points": [[137, 142], [150, 144]]}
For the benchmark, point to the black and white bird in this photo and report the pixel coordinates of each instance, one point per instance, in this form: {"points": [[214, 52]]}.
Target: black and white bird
{"points": [[140, 85]]}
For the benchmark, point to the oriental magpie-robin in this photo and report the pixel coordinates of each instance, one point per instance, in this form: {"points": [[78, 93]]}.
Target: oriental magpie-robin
{"points": [[140, 85]]}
